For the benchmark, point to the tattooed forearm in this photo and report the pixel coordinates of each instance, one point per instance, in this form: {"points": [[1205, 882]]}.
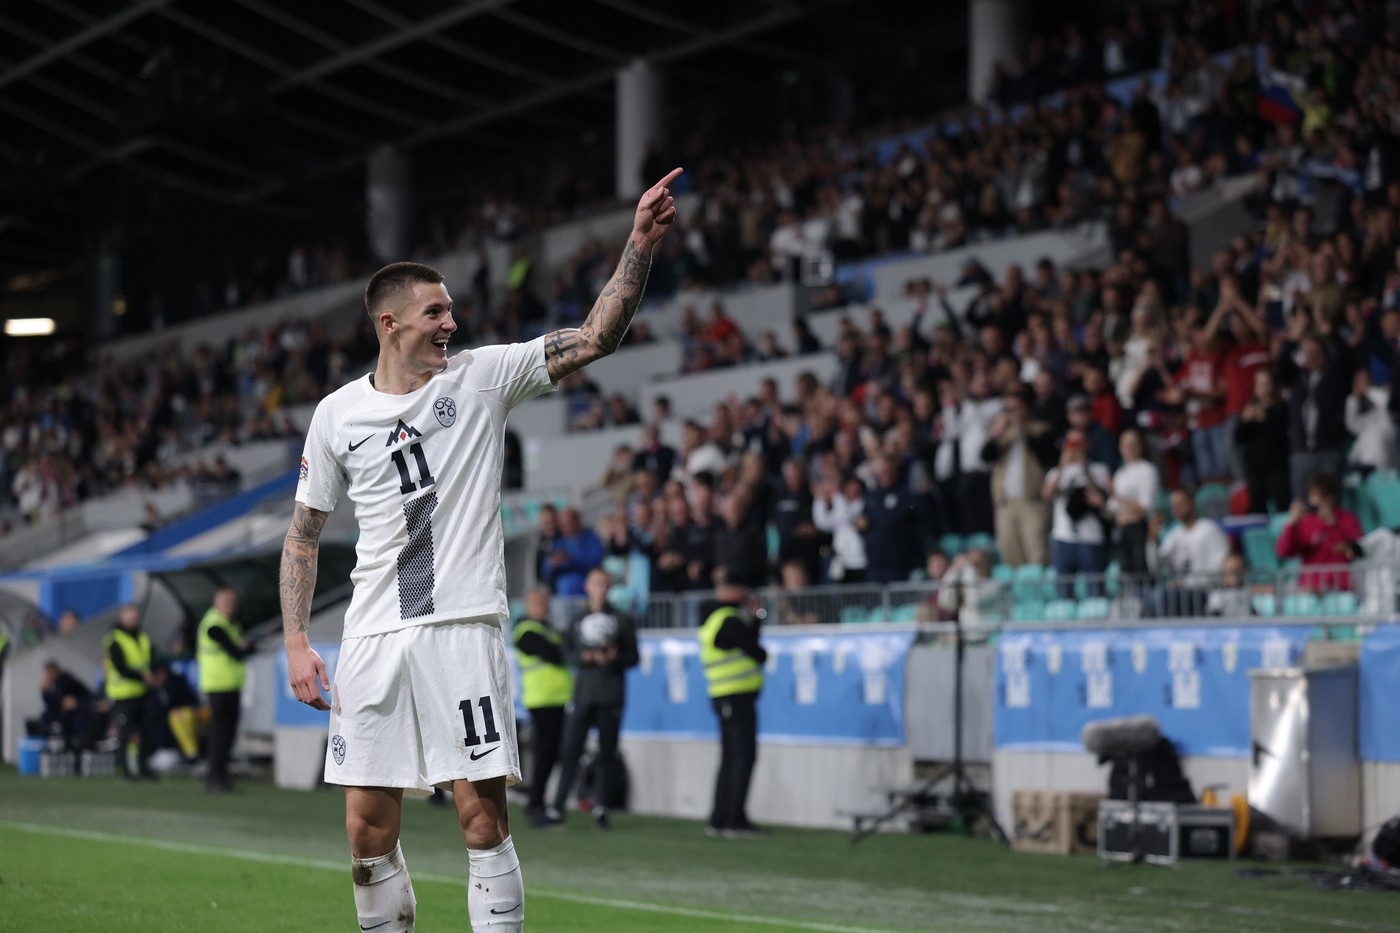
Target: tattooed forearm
{"points": [[602, 331], [298, 581]]}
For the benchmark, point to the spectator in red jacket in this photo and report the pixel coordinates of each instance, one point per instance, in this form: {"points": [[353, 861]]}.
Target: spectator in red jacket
{"points": [[1323, 534]]}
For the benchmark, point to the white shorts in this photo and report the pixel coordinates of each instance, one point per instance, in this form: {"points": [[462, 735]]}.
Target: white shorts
{"points": [[422, 707]]}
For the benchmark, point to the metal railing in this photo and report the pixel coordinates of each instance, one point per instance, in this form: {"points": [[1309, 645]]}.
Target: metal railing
{"points": [[1360, 592]]}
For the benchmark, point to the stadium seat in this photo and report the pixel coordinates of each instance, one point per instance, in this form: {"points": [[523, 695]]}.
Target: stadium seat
{"points": [[1213, 500], [851, 615], [981, 541], [1029, 611], [616, 566], [1030, 583], [1265, 604], [909, 612], [1259, 549], [1340, 604], [951, 544], [1095, 607], [1301, 604], [774, 540], [1276, 523], [1003, 573], [1061, 610], [1385, 495]]}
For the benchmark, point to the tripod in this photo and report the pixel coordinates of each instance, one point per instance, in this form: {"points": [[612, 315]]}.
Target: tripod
{"points": [[966, 800]]}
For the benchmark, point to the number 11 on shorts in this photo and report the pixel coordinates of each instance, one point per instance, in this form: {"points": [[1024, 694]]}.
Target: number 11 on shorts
{"points": [[488, 722]]}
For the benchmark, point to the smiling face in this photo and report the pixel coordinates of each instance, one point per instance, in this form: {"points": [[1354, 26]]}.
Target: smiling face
{"points": [[417, 331]]}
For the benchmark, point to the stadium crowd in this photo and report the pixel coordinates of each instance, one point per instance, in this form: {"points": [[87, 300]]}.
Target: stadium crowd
{"points": [[1048, 416], [69, 432]]}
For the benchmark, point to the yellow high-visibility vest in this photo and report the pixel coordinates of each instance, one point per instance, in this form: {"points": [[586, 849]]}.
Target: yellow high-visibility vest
{"points": [[542, 684], [136, 651], [219, 671], [727, 670]]}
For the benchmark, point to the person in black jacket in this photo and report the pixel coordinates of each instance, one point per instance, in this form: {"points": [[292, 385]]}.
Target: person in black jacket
{"points": [[893, 525], [741, 546], [1262, 435], [602, 642], [69, 708], [798, 537], [733, 662], [1318, 386]]}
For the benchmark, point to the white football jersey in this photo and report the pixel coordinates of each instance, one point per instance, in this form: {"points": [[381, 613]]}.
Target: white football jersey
{"points": [[424, 473]]}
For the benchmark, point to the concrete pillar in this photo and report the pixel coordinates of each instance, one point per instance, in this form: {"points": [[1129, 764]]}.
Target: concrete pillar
{"points": [[996, 32], [104, 283], [389, 204], [639, 100]]}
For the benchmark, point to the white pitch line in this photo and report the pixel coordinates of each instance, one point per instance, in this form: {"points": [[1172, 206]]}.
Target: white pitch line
{"points": [[252, 855]]}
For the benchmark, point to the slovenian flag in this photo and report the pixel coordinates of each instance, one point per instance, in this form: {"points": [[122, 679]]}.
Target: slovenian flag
{"points": [[1279, 96]]}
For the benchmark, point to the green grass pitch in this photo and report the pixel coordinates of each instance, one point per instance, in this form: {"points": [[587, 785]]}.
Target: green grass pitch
{"points": [[92, 854]]}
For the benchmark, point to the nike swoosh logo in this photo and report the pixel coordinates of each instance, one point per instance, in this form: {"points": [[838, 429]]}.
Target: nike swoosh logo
{"points": [[357, 447], [376, 926], [506, 911], [476, 755]]}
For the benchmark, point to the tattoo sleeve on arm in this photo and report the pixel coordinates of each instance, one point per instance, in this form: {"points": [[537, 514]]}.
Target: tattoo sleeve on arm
{"points": [[298, 581], [571, 349]]}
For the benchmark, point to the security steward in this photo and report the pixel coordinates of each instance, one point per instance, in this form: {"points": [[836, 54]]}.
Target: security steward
{"points": [[546, 686], [221, 650], [126, 662], [733, 661]]}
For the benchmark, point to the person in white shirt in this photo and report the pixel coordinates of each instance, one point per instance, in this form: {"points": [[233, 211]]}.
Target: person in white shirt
{"points": [[1080, 491], [1190, 557], [1135, 487], [1368, 420], [969, 425], [835, 513], [422, 694]]}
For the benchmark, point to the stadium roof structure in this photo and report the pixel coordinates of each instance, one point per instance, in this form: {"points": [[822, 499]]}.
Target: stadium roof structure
{"points": [[275, 107]]}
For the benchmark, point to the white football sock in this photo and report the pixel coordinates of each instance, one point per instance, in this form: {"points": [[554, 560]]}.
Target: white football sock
{"points": [[496, 899], [384, 893]]}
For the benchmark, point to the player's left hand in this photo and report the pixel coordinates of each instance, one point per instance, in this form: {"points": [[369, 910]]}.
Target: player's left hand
{"points": [[656, 211]]}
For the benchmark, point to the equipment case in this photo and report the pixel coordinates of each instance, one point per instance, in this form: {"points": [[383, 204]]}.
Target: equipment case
{"points": [[1169, 831]]}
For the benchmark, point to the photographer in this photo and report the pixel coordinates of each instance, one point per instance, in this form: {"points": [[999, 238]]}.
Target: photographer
{"points": [[1080, 491]]}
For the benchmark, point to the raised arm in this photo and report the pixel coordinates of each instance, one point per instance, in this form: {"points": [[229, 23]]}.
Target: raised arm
{"points": [[300, 550], [572, 348]]}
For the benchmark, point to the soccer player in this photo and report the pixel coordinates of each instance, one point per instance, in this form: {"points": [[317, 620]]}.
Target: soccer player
{"points": [[422, 694]]}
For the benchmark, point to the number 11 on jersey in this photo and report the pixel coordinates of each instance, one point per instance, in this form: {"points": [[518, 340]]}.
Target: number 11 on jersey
{"points": [[425, 476]]}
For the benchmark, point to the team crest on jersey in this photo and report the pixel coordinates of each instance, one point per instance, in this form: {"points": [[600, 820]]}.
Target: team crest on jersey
{"points": [[446, 410], [338, 749], [402, 433]]}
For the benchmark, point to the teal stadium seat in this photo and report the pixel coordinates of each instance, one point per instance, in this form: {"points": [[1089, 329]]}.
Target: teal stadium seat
{"points": [[1340, 604], [951, 544], [1301, 604], [1265, 604], [1259, 549], [982, 541], [1384, 492], [1003, 573], [1061, 610], [909, 612], [1028, 611], [1213, 500], [851, 615], [616, 566], [1095, 607]]}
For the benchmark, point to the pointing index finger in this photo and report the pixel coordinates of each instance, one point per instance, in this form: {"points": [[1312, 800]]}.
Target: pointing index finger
{"points": [[670, 177]]}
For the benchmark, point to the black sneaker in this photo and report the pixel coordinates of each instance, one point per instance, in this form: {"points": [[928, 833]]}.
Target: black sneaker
{"points": [[600, 818]]}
